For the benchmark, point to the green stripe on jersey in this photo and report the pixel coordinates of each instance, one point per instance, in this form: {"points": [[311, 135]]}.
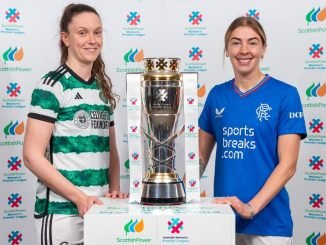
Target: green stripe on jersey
{"points": [[55, 207], [71, 83], [68, 113], [80, 144], [45, 99], [87, 177]]}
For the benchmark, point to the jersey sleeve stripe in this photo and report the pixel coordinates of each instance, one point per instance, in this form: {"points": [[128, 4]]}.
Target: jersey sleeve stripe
{"points": [[41, 117]]}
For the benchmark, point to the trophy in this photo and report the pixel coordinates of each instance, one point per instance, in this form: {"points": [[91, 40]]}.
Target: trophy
{"points": [[162, 103]]}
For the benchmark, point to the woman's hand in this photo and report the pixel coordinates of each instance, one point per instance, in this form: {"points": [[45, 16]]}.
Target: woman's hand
{"points": [[84, 203], [243, 209], [116, 194]]}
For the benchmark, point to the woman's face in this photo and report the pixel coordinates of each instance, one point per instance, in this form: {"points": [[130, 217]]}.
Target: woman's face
{"points": [[84, 38], [245, 49]]}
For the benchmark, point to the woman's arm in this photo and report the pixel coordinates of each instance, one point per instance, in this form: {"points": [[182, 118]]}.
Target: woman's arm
{"points": [[206, 145], [114, 168], [288, 151], [37, 137]]}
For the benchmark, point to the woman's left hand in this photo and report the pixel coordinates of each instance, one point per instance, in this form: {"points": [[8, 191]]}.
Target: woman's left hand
{"points": [[116, 194], [241, 208]]}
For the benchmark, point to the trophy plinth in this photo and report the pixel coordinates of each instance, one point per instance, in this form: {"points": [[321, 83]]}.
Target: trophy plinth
{"points": [[162, 103]]}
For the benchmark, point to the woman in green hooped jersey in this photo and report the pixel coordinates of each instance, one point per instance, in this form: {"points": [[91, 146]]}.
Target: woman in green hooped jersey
{"points": [[70, 138]]}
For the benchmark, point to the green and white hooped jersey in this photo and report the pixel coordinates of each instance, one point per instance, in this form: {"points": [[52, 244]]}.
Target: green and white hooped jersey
{"points": [[79, 146]]}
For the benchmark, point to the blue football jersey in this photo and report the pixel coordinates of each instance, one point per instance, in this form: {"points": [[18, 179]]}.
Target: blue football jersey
{"points": [[246, 127]]}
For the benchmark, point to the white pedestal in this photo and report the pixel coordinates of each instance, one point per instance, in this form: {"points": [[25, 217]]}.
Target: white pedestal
{"points": [[118, 222]]}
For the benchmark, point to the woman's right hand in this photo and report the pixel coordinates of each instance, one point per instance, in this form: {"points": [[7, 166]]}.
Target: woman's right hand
{"points": [[84, 203]]}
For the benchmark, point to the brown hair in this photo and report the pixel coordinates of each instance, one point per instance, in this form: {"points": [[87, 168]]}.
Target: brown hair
{"points": [[244, 21], [98, 69]]}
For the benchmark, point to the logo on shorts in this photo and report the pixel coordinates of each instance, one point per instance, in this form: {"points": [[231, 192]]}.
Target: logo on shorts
{"points": [[263, 112], [82, 119]]}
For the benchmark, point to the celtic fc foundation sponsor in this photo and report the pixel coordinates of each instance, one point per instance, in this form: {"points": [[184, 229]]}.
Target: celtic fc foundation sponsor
{"points": [[94, 119]]}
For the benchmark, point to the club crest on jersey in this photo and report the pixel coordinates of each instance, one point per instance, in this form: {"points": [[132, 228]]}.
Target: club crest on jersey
{"points": [[103, 98], [263, 112], [82, 119], [219, 113]]}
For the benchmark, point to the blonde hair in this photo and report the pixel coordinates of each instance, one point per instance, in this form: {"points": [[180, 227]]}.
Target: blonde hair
{"points": [[244, 21]]}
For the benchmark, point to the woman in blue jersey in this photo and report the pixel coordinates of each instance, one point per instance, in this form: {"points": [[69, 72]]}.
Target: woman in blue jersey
{"points": [[71, 119], [257, 123]]}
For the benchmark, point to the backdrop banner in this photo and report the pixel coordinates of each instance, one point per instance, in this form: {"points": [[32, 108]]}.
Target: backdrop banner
{"points": [[190, 30]]}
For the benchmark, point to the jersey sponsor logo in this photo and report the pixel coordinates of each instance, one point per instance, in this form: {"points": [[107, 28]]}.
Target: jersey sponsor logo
{"points": [[298, 114], [93, 119], [236, 141], [263, 112], [78, 96], [82, 119], [219, 113]]}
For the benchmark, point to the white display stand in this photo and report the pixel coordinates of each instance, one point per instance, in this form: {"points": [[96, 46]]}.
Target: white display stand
{"points": [[118, 222]]}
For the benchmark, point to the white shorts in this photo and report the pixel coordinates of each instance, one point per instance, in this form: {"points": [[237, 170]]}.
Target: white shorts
{"points": [[59, 229], [244, 239]]}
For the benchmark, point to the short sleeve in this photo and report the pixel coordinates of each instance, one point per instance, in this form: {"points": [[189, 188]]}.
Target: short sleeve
{"points": [[291, 119], [46, 100]]}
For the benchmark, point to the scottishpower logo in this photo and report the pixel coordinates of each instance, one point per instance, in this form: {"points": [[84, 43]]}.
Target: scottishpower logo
{"points": [[316, 126], [12, 15], [201, 90], [253, 13], [316, 15], [134, 226], [15, 200], [14, 128], [316, 200], [15, 237], [13, 54], [316, 51], [133, 18], [316, 239], [195, 17], [316, 90], [134, 56], [175, 225], [14, 163]]}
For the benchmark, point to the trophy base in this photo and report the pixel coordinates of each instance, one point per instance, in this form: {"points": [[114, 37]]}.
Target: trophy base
{"points": [[161, 194]]}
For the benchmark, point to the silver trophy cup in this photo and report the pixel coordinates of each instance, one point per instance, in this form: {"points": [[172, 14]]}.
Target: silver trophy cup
{"points": [[162, 103]]}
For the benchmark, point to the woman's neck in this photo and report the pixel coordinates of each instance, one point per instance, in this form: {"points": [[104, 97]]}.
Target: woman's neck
{"points": [[84, 71], [245, 83]]}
